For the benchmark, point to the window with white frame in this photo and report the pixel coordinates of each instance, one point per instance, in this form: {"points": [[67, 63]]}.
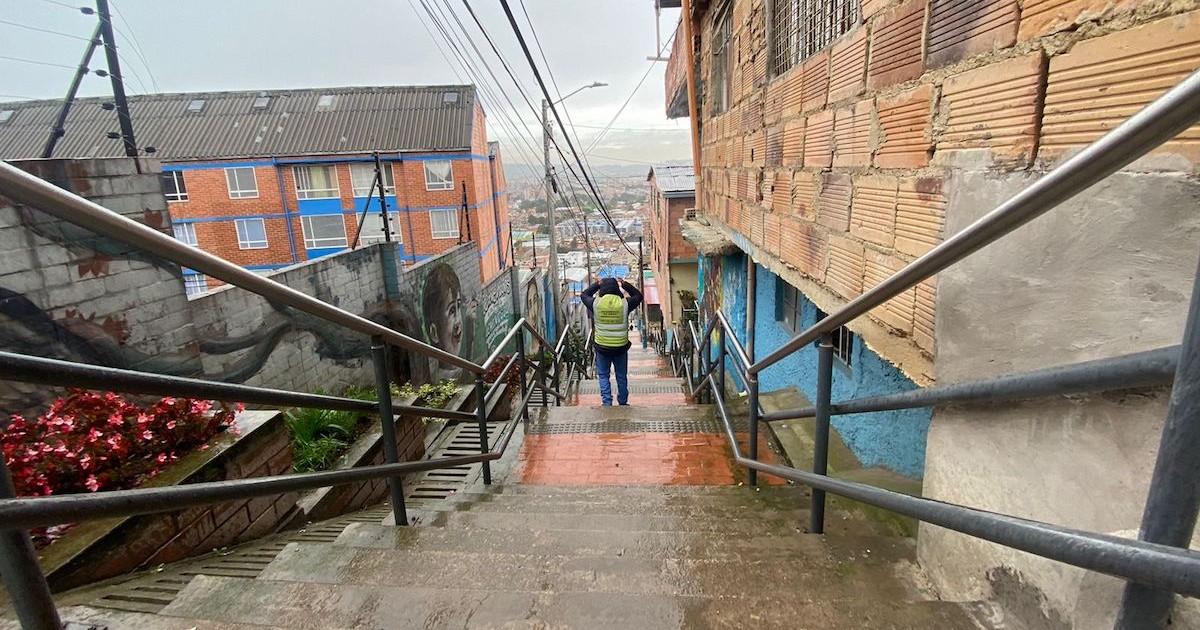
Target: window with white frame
{"points": [[194, 283], [251, 233], [439, 175], [241, 181], [803, 28], [185, 233], [444, 223], [316, 181], [372, 228], [721, 59], [362, 176], [324, 230], [173, 186]]}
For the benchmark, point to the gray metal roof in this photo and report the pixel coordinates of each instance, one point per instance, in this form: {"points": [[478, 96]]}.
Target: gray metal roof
{"points": [[674, 179], [359, 119]]}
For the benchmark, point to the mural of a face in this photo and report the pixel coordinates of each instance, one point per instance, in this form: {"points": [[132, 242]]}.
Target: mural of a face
{"points": [[533, 305], [442, 307]]}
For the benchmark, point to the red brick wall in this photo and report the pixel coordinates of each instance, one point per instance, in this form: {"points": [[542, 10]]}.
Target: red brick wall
{"points": [[837, 166]]}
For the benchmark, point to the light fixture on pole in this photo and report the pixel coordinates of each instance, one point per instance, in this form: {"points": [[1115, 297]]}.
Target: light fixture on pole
{"points": [[553, 262]]}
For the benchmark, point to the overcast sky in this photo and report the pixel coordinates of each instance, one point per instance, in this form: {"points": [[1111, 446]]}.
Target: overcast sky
{"points": [[206, 45]]}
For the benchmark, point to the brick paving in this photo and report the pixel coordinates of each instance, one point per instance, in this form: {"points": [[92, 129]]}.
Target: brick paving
{"points": [[658, 458]]}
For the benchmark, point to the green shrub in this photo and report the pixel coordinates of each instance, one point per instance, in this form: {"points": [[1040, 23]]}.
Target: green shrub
{"points": [[319, 436]]}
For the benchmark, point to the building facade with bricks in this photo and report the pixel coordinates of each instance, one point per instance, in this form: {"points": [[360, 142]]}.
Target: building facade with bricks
{"points": [[673, 259], [841, 140], [271, 179]]}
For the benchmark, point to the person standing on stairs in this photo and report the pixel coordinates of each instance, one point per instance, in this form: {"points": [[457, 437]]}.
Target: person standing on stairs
{"points": [[610, 315]]}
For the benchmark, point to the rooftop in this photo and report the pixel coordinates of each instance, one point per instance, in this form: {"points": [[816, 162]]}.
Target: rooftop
{"points": [[214, 125], [674, 179]]}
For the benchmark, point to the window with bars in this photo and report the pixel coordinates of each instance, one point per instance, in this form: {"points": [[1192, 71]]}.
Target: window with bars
{"points": [[173, 186], [722, 59], [362, 178], [803, 28], [317, 181], [444, 223], [843, 341]]}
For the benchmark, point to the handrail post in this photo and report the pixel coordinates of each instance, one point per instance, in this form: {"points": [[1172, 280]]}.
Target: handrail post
{"points": [[23, 575], [752, 418], [523, 370], [722, 353], [387, 421], [481, 418], [556, 383], [821, 438], [1174, 497]]}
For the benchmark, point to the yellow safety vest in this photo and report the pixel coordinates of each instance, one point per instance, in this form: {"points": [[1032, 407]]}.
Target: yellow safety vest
{"points": [[612, 321]]}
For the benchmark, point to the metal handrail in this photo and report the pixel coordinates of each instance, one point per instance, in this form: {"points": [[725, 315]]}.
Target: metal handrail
{"points": [[30, 190], [43, 371], [1131, 371], [1157, 565], [1160, 121], [512, 332]]}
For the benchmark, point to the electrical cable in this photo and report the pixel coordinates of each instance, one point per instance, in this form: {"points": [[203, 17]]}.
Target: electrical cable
{"points": [[39, 63], [45, 30], [637, 87], [137, 45], [566, 136]]}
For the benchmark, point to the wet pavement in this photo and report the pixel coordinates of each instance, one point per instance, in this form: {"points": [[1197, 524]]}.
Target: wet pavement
{"points": [[606, 517]]}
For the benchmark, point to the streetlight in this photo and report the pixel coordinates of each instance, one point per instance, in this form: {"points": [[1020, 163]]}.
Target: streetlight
{"points": [[547, 130]]}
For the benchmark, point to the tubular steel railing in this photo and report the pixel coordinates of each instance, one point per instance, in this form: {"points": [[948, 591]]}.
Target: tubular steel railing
{"points": [[19, 567], [1155, 566]]}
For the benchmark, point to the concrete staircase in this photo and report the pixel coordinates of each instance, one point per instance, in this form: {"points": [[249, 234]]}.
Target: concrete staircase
{"points": [[601, 517]]}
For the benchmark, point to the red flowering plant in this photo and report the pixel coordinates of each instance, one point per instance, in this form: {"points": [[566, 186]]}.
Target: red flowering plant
{"points": [[88, 441]]}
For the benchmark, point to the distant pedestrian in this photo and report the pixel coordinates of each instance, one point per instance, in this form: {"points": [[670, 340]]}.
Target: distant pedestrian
{"points": [[610, 312]]}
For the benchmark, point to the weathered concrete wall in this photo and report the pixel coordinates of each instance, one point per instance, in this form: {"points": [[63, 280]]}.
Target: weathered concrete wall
{"points": [[69, 293], [1106, 274]]}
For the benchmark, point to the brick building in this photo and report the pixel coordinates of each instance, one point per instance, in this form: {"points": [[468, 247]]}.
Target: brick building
{"points": [[269, 179], [840, 140], [672, 199]]}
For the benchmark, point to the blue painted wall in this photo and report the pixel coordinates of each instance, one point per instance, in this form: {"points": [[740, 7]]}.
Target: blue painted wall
{"points": [[892, 439]]}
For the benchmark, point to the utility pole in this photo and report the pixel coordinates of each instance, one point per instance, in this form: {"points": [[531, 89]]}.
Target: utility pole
{"points": [[466, 215], [114, 74], [641, 277], [552, 263], [587, 248], [59, 129]]}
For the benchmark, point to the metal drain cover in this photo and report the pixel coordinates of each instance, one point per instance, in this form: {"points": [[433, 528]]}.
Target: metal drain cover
{"points": [[636, 387], [621, 425]]}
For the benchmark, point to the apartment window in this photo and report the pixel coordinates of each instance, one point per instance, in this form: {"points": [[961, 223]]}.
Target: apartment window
{"points": [[173, 186], [803, 28], [251, 233], [721, 60], [241, 182], [439, 175], [843, 341], [194, 283], [787, 305], [372, 228], [363, 175], [185, 233], [316, 181], [444, 223], [323, 230]]}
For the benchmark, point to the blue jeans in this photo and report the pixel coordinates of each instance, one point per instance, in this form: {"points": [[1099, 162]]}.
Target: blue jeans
{"points": [[620, 364]]}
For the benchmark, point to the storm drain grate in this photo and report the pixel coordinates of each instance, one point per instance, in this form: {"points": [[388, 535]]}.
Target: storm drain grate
{"points": [[458, 440], [635, 426], [635, 387]]}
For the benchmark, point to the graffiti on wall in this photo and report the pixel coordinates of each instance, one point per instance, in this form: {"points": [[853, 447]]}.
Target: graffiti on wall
{"points": [[711, 290], [533, 303], [496, 310]]}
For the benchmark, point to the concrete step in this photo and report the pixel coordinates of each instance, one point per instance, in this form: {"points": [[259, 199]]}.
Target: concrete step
{"points": [[684, 575], [86, 616], [629, 504], [750, 525], [273, 603]]}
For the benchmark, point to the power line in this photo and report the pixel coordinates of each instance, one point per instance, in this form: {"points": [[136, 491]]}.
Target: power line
{"points": [[566, 136], [44, 30], [39, 63], [84, 10], [137, 46], [633, 93], [21, 96]]}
